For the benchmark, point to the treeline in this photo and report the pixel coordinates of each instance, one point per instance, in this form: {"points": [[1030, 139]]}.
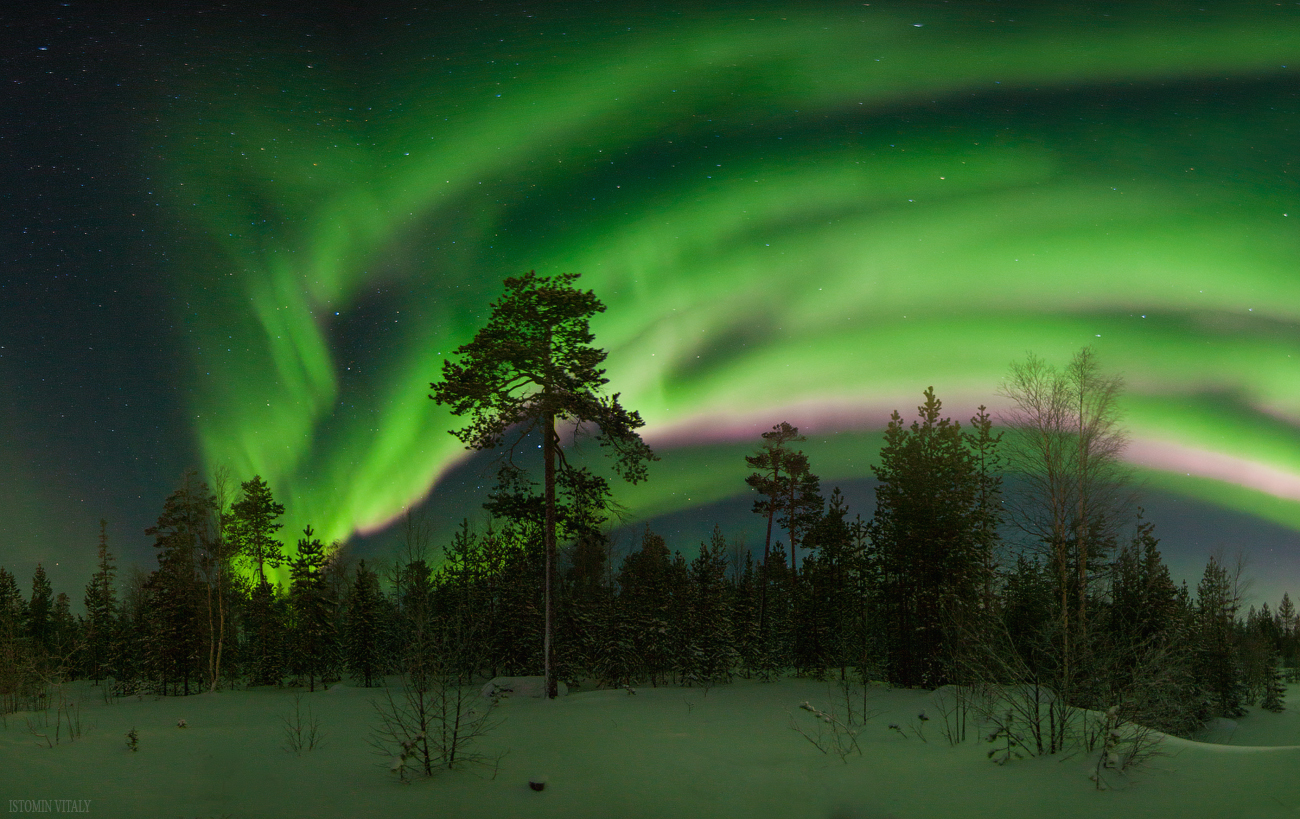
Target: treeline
{"points": [[930, 589]]}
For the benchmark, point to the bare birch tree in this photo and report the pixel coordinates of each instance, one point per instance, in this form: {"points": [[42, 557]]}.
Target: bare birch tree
{"points": [[1065, 451]]}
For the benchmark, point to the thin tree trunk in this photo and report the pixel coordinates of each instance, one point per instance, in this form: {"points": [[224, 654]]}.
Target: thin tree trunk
{"points": [[762, 591], [790, 512], [767, 545], [548, 457], [212, 642], [1082, 533], [221, 630]]}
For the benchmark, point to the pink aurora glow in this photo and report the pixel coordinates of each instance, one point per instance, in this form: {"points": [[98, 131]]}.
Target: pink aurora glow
{"points": [[1173, 457]]}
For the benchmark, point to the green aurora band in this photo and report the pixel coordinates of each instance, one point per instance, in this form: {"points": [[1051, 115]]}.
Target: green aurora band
{"points": [[789, 214]]}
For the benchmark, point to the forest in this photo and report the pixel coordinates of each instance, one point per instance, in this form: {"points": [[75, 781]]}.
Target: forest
{"points": [[1012, 556]]}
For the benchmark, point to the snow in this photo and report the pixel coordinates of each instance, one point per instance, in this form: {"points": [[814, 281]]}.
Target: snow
{"points": [[663, 752]]}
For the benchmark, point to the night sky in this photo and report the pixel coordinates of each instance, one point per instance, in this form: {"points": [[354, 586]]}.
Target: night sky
{"points": [[250, 238]]}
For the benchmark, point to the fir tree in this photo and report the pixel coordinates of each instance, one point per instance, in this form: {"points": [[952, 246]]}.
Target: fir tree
{"points": [[1143, 597]]}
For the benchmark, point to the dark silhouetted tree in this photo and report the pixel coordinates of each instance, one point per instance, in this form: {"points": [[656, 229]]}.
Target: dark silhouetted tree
{"points": [[1217, 663], [829, 597], [710, 651], [182, 532], [1066, 442], [101, 612], [253, 525], [363, 627], [253, 522], [644, 604], [530, 368], [315, 641], [13, 648], [927, 540], [39, 628], [772, 481]]}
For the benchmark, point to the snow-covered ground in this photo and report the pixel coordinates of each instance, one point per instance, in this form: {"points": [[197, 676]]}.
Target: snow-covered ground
{"points": [[663, 752]]}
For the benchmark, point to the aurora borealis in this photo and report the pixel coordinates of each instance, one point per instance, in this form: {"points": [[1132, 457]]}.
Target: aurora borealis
{"points": [[805, 212]]}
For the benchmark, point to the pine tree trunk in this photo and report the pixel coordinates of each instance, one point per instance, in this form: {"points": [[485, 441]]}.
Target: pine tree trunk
{"points": [[767, 545], [790, 512], [548, 457], [762, 590]]}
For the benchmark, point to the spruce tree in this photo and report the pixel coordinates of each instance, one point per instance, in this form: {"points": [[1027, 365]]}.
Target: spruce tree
{"points": [[13, 609], [710, 652], [929, 541], [988, 512], [680, 617], [39, 627], [314, 638], [101, 612], [775, 633], [1274, 698], [265, 627], [1217, 663], [1286, 623], [826, 597], [1027, 615], [418, 625], [178, 625], [644, 601], [65, 636], [743, 593], [363, 627], [13, 649]]}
